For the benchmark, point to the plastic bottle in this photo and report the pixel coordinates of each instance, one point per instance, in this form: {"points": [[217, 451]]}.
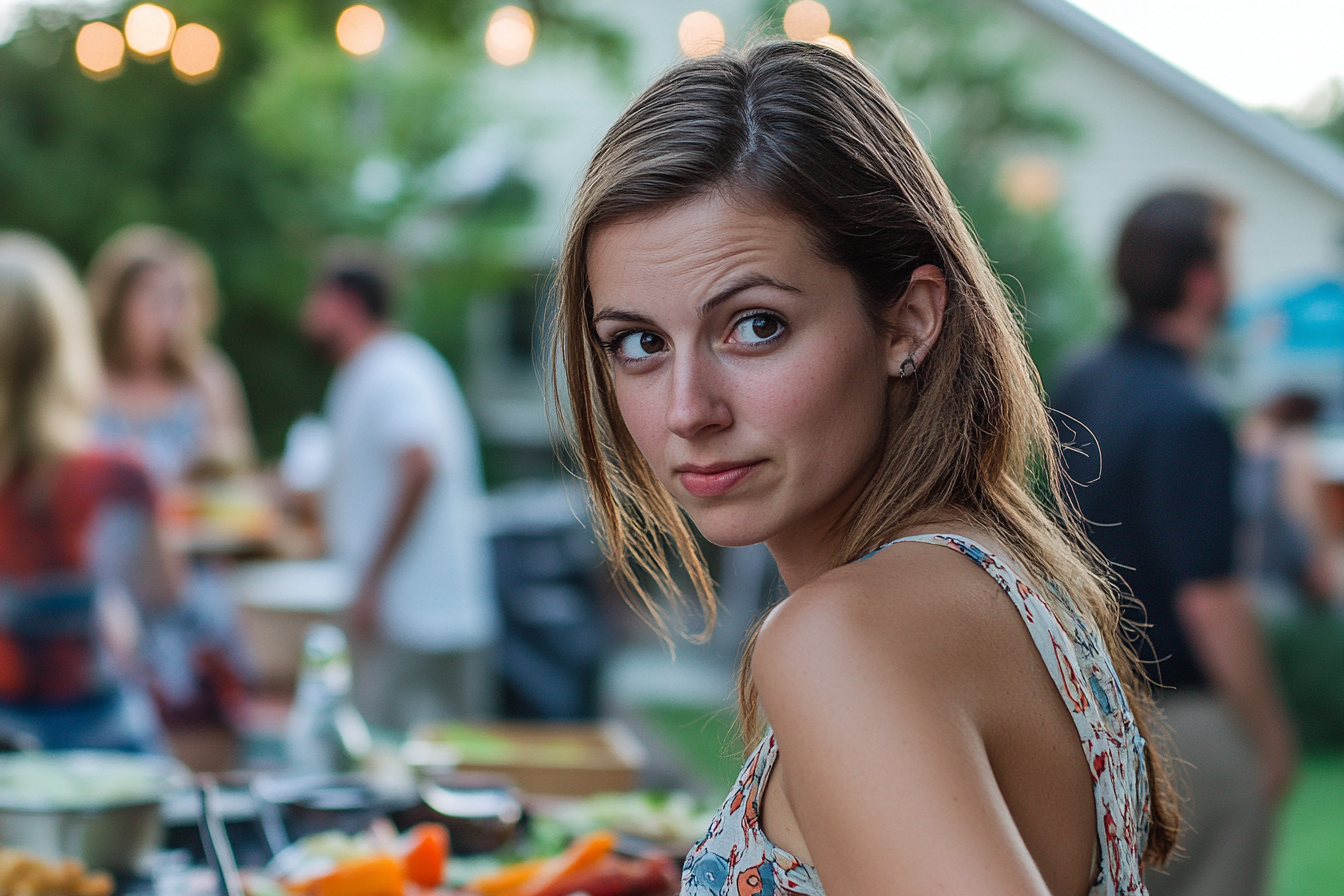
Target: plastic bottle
{"points": [[325, 732]]}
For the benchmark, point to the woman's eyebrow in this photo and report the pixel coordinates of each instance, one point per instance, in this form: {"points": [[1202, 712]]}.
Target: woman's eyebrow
{"points": [[748, 281], [629, 317]]}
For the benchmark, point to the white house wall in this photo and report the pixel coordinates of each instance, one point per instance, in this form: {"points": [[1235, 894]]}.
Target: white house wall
{"points": [[1139, 139]]}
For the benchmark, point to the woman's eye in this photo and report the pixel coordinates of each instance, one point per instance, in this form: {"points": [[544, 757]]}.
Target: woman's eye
{"points": [[758, 328], [639, 344]]}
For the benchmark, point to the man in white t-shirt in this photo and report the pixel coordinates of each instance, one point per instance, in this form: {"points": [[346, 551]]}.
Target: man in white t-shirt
{"points": [[403, 509]]}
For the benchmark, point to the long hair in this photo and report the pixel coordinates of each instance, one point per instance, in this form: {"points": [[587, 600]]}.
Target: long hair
{"points": [[816, 135], [48, 359], [121, 262]]}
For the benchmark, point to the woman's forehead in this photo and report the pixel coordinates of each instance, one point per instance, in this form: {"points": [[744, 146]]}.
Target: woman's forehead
{"points": [[691, 245]]}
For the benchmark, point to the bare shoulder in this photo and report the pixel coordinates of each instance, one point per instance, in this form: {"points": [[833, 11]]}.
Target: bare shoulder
{"points": [[912, 612], [214, 370], [218, 379]]}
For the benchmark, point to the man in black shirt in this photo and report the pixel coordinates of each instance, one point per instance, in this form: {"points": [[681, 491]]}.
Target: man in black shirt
{"points": [[1153, 461]]}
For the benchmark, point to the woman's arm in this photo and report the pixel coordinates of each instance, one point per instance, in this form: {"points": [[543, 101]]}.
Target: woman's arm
{"points": [[871, 694], [229, 439]]}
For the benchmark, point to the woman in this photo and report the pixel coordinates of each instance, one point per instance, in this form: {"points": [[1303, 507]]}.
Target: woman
{"points": [[76, 525], [174, 401], [773, 319], [171, 397]]}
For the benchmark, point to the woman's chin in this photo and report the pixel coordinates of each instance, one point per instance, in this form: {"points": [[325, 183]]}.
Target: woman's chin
{"points": [[731, 533]]}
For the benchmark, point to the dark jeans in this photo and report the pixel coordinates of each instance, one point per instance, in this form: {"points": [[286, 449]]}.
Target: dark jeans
{"points": [[124, 719]]}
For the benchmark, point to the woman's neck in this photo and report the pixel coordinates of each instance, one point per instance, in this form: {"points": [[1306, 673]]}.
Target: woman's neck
{"points": [[807, 553], [142, 391]]}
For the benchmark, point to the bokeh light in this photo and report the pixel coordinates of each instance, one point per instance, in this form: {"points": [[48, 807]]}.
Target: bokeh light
{"points": [[100, 49], [360, 30], [149, 30], [836, 43], [509, 36], [807, 20], [701, 34], [1031, 184], [195, 52]]}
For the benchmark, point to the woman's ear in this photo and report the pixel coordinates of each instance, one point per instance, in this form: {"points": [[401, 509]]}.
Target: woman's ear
{"points": [[916, 320]]}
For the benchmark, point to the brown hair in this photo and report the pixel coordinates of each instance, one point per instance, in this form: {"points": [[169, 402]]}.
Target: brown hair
{"points": [[121, 261], [1162, 239], [48, 362], [815, 134]]}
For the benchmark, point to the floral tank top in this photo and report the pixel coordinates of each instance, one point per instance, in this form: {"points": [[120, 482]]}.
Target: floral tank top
{"points": [[736, 859]]}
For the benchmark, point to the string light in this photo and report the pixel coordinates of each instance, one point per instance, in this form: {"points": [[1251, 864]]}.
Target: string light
{"points": [[149, 30], [836, 43], [1031, 184], [100, 49], [807, 20], [360, 30], [701, 34], [510, 35], [195, 53]]}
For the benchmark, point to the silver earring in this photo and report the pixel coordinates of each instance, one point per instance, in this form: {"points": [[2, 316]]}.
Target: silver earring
{"points": [[907, 366]]}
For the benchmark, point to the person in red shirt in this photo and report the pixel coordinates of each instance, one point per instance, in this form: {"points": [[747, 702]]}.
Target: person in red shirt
{"points": [[79, 551]]}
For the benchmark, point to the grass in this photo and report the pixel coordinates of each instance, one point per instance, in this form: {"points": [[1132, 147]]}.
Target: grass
{"points": [[704, 740], [1309, 855], [1309, 852]]}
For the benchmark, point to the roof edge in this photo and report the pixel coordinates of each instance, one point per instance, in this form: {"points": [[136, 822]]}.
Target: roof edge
{"points": [[1311, 156]]}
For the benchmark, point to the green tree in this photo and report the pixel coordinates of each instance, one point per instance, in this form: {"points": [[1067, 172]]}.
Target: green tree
{"points": [[258, 162]]}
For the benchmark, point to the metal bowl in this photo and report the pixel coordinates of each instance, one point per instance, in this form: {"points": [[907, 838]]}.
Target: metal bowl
{"points": [[311, 803], [100, 807], [482, 812]]}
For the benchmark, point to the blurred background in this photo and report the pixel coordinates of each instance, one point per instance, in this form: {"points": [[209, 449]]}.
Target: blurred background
{"points": [[450, 135]]}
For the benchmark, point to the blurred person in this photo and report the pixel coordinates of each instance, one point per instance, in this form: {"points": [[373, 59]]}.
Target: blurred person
{"points": [[1154, 463], [1284, 550], [403, 508], [77, 530], [174, 401], [773, 319], [170, 395]]}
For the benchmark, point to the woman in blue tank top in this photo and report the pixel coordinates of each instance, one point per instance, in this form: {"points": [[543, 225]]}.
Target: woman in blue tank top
{"points": [[773, 320]]}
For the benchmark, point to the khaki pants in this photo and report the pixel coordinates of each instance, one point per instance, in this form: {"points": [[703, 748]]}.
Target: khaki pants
{"points": [[396, 688], [1225, 826]]}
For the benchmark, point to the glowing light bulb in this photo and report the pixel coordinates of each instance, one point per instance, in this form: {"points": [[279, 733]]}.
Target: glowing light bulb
{"points": [[837, 43], [510, 35], [360, 30], [149, 30], [1031, 184], [701, 34], [807, 20], [100, 49], [195, 53]]}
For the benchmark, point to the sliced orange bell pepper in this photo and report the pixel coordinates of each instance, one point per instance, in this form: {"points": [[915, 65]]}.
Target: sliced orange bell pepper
{"points": [[585, 851], [427, 850], [506, 879], [378, 875]]}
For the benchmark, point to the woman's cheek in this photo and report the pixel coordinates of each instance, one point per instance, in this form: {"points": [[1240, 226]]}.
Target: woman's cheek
{"points": [[645, 416]]}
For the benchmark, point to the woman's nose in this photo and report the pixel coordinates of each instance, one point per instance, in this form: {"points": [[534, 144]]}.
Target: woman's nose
{"points": [[697, 404]]}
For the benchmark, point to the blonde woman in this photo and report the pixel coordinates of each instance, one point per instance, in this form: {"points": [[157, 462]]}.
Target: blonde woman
{"points": [[773, 320], [76, 525], [174, 401], [171, 396]]}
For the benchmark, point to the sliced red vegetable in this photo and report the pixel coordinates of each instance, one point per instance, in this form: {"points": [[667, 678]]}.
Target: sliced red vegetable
{"points": [[614, 875]]}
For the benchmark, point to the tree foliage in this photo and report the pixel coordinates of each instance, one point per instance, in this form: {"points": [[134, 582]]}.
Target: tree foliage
{"points": [[258, 163]]}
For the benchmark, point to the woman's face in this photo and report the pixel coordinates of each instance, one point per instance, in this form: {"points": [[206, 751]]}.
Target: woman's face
{"points": [[155, 315], [744, 366]]}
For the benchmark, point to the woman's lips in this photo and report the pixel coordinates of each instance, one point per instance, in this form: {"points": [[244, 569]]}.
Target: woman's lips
{"points": [[710, 482]]}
